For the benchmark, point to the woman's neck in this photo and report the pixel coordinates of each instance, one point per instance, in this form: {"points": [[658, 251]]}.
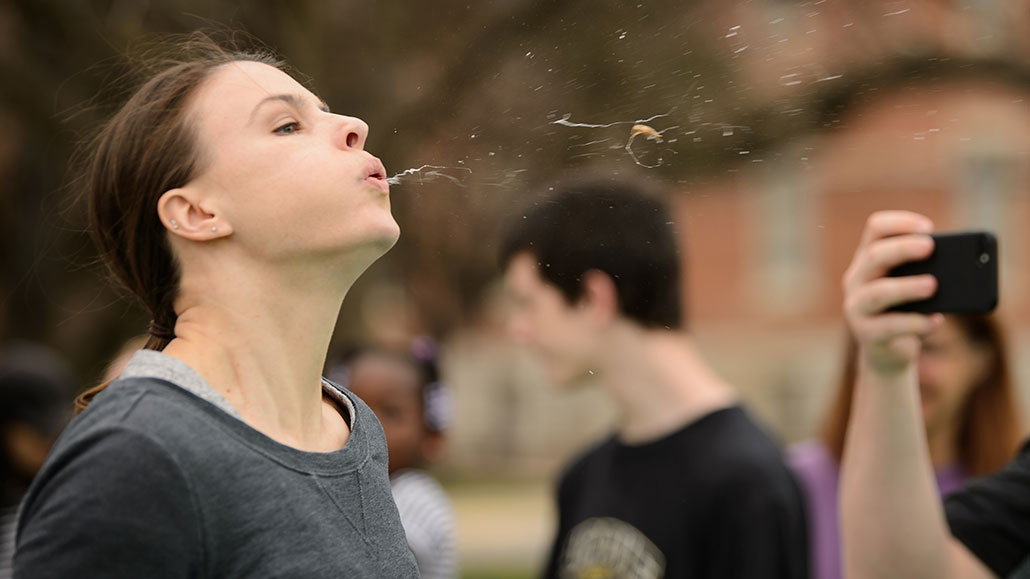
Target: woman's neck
{"points": [[261, 343]]}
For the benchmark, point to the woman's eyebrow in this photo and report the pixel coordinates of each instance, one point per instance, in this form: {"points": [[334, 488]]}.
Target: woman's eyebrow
{"points": [[294, 100]]}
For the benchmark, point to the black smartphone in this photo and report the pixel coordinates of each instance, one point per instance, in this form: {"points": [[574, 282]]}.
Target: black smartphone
{"points": [[965, 264]]}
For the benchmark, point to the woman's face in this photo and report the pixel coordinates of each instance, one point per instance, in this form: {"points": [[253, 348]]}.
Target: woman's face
{"points": [[950, 367], [291, 178]]}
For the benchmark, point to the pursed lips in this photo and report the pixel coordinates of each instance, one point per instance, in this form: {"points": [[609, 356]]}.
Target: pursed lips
{"points": [[377, 175]]}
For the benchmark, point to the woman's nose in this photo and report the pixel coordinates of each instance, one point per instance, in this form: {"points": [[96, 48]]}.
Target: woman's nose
{"points": [[351, 133]]}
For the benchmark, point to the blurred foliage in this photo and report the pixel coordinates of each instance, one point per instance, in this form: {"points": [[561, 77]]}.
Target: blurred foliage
{"points": [[441, 83], [476, 87]]}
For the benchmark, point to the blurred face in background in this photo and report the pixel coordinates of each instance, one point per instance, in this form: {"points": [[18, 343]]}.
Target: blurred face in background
{"points": [[561, 334], [26, 448], [951, 366], [392, 390]]}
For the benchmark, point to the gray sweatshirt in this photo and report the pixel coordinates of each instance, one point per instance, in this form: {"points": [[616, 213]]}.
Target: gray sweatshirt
{"points": [[160, 478]]}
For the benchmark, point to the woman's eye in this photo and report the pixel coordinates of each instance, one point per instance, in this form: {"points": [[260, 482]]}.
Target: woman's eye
{"points": [[288, 129]]}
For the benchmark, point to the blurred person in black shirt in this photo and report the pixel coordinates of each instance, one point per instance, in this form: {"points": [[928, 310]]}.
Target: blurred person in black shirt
{"points": [[36, 391], [687, 485]]}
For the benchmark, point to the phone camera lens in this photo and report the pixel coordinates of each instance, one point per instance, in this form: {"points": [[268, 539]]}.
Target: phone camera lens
{"points": [[984, 258]]}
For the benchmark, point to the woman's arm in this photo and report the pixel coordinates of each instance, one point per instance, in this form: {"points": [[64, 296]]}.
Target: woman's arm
{"points": [[893, 523], [892, 519]]}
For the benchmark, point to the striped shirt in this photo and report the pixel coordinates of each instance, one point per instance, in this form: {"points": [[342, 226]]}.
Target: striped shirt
{"points": [[428, 521]]}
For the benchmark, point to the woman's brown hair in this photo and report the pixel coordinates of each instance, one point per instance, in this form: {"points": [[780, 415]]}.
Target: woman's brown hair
{"points": [[148, 147], [990, 431]]}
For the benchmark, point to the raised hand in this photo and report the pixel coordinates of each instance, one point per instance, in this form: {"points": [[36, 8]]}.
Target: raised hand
{"points": [[889, 341]]}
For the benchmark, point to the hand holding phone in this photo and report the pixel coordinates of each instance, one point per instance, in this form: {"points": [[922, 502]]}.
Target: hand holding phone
{"points": [[966, 267]]}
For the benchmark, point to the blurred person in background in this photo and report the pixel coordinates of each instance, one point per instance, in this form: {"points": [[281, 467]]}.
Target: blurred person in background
{"points": [[117, 364], [892, 521], [968, 407], [405, 392], [688, 485], [240, 211], [36, 393]]}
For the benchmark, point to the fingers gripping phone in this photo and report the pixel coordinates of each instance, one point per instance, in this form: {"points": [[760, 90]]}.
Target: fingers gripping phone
{"points": [[966, 267]]}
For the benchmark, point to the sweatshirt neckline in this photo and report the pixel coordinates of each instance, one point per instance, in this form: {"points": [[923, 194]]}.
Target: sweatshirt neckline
{"points": [[176, 373]]}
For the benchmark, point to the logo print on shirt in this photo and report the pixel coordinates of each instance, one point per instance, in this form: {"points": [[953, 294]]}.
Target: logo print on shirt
{"points": [[607, 548]]}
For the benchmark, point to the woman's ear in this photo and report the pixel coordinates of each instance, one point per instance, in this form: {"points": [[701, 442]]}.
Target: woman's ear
{"points": [[600, 295], [185, 212]]}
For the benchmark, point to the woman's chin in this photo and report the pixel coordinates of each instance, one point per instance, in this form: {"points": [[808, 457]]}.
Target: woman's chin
{"points": [[375, 245], [388, 236]]}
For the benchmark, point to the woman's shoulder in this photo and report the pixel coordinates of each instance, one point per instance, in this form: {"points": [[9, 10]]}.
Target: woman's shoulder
{"points": [[145, 403], [117, 438], [103, 486], [140, 410]]}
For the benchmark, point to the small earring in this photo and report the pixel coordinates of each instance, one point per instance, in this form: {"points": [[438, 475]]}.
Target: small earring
{"points": [[214, 230], [174, 224]]}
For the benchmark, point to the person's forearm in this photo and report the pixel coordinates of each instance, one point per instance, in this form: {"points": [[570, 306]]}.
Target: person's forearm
{"points": [[893, 522]]}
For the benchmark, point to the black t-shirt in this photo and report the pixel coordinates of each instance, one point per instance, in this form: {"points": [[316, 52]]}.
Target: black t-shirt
{"points": [[991, 516], [712, 499]]}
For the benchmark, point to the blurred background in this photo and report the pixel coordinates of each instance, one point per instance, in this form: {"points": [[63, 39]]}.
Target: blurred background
{"points": [[783, 123]]}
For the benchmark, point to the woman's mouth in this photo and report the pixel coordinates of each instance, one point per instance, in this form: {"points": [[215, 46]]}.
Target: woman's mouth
{"points": [[377, 175]]}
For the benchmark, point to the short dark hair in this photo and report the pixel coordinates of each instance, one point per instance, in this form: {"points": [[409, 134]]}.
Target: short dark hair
{"points": [[612, 225]]}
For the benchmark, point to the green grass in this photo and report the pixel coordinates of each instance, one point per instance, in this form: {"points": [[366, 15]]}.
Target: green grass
{"points": [[498, 573]]}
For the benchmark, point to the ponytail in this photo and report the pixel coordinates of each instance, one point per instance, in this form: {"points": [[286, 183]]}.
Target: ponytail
{"points": [[158, 336]]}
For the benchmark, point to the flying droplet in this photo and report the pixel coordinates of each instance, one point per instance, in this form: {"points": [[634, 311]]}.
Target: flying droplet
{"points": [[647, 131]]}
